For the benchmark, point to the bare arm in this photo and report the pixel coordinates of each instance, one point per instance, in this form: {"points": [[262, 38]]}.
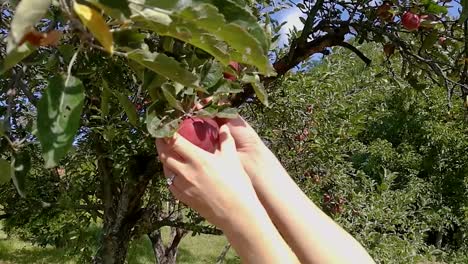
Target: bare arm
{"points": [[256, 240], [217, 186], [313, 236]]}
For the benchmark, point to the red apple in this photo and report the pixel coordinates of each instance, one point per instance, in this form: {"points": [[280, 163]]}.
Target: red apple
{"points": [[410, 21], [202, 132], [442, 40], [229, 76]]}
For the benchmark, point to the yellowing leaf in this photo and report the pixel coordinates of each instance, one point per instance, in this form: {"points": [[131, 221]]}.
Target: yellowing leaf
{"points": [[96, 24]]}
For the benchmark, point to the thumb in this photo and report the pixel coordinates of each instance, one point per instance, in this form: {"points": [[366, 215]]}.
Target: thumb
{"points": [[226, 141]]}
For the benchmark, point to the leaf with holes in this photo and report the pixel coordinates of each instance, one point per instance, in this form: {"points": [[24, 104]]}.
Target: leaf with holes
{"points": [[160, 126], [27, 14], [93, 21], [58, 118]]}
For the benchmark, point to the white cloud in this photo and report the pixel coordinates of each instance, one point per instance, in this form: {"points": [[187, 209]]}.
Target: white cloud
{"points": [[292, 16]]}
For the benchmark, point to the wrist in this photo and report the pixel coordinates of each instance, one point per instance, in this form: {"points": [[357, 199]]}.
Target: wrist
{"points": [[264, 168], [250, 209]]}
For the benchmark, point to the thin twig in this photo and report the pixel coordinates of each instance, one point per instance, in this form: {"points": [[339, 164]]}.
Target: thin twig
{"points": [[72, 62]]}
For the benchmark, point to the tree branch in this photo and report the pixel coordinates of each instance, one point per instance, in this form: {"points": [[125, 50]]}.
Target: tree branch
{"points": [[296, 55], [309, 23], [355, 50], [194, 228]]}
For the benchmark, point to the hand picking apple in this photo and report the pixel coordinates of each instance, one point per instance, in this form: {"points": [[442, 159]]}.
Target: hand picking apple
{"points": [[222, 169]]}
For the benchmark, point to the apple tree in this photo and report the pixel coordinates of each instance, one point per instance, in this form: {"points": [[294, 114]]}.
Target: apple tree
{"points": [[385, 160], [104, 78]]}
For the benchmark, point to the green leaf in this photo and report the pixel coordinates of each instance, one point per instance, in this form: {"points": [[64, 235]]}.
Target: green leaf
{"points": [[430, 40], [58, 119], [225, 30], [105, 97], [165, 66], [96, 24], [7, 170], [247, 48], [67, 52], [2, 128], [432, 7], [128, 38], [235, 13], [169, 93], [113, 7], [209, 111], [22, 166], [211, 73], [464, 12], [160, 127], [152, 82], [27, 14], [258, 87], [128, 107], [228, 113], [16, 55], [226, 87]]}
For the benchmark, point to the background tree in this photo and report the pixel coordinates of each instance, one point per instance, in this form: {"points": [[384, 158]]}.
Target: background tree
{"points": [[380, 157], [105, 77]]}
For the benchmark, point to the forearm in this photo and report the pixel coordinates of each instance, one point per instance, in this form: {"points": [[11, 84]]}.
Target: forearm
{"points": [[256, 240], [313, 236]]}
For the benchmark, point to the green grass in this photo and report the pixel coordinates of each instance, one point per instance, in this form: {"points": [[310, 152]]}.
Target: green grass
{"points": [[197, 249]]}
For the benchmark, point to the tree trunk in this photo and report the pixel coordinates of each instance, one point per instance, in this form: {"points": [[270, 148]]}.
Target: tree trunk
{"points": [[114, 246], [122, 199], [166, 254]]}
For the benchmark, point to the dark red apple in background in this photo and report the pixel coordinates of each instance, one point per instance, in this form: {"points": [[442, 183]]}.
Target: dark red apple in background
{"points": [[229, 76], [202, 132], [410, 21], [442, 40], [384, 13]]}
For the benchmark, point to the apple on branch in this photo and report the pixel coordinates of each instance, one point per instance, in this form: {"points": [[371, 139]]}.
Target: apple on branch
{"points": [[410, 21]]}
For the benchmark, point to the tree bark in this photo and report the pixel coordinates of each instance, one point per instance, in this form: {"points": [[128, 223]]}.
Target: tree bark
{"points": [[114, 245], [166, 254], [121, 196]]}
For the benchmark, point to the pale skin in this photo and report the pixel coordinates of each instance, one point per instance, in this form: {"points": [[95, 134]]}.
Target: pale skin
{"points": [[244, 190]]}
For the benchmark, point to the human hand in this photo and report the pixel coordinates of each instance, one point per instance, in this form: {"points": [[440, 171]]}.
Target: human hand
{"points": [[256, 158], [215, 185]]}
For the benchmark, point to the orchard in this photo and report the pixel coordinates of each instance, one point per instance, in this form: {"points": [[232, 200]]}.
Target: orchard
{"points": [[87, 85]]}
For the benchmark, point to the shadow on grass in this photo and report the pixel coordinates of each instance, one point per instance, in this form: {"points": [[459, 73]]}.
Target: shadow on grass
{"points": [[140, 251], [186, 256], [27, 255]]}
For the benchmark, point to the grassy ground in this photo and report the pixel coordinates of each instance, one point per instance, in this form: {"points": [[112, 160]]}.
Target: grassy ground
{"points": [[198, 249]]}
